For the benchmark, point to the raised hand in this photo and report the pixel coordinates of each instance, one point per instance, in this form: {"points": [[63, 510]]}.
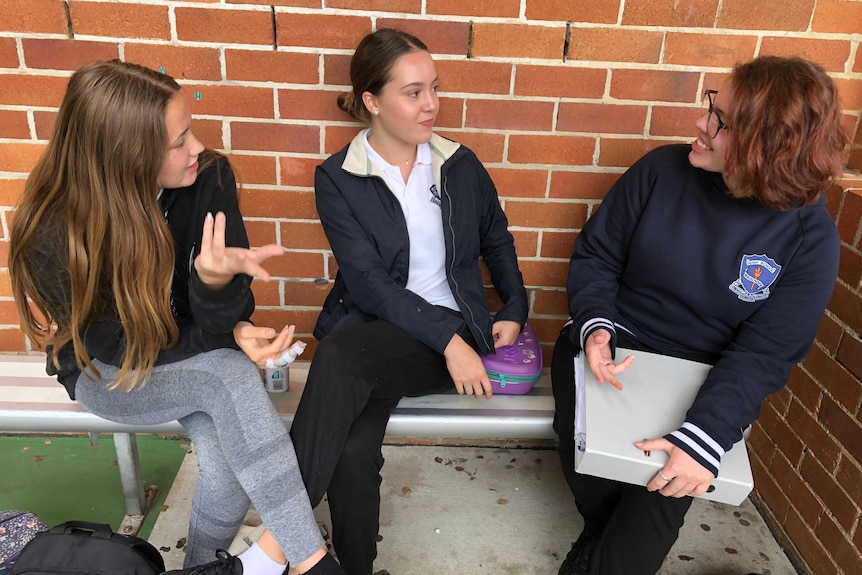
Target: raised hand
{"points": [[217, 264], [598, 351], [258, 342]]}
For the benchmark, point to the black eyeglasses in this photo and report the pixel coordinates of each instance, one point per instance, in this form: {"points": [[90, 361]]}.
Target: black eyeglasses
{"points": [[714, 123]]}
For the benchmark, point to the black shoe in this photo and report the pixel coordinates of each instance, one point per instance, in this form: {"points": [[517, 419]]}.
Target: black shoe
{"points": [[577, 562], [225, 564]]}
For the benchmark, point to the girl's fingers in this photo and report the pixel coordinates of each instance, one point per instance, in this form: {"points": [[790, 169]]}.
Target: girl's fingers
{"points": [[257, 332], [274, 350], [248, 261], [616, 383], [263, 253], [218, 236], [603, 369], [256, 271], [207, 239], [606, 370], [285, 337], [488, 391]]}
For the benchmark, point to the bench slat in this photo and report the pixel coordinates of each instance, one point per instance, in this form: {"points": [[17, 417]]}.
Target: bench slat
{"points": [[72, 422], [42, 381], [40, 394], [32, 401], [22, 366]]}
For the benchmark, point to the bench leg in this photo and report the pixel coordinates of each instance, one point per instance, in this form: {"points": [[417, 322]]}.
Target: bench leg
{"points": [[130, 472]]}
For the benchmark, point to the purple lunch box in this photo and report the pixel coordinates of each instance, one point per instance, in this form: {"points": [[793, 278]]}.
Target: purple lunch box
{"points": [[515, 368]]}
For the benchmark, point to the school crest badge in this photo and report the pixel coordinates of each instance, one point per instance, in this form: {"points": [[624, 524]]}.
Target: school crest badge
{"points": [[756, 273]]}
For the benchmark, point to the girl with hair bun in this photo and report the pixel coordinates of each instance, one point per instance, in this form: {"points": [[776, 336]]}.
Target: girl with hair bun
{"points": [[408, 214]]}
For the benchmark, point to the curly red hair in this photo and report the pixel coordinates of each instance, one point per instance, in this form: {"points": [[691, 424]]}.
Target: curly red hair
{"points": [[786, 139]]}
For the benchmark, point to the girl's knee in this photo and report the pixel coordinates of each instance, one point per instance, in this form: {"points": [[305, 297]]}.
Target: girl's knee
{"points": [[233, 367], [361, 451], [336, 349]]}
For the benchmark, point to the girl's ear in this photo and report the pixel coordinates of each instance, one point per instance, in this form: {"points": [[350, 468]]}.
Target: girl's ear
{"points": [[370, 101]]}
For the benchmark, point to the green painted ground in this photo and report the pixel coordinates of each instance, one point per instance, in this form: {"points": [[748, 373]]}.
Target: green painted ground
{"points": [[60, 478]]}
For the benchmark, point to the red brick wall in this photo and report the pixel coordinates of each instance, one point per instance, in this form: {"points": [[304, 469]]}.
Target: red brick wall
{"points": [[557, 97], [807, 445]]}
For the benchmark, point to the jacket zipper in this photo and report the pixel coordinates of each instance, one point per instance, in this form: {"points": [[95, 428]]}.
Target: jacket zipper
{"points": [[452, 267]]}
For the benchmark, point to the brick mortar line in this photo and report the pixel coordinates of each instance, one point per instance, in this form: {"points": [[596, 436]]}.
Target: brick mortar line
{"points": [[845, 328], [854, 38], [538, 23], [608, 65], [855, 42]]}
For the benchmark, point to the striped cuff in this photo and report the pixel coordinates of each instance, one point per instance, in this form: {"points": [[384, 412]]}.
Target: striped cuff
{"points": [[594, 324], [700, 446]]}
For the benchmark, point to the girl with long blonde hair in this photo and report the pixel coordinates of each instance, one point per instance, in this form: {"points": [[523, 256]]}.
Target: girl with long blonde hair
{"points": [[129, 243]]}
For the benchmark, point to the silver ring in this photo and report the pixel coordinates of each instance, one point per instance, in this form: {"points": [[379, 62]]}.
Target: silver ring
{"points": [[660, 474]]}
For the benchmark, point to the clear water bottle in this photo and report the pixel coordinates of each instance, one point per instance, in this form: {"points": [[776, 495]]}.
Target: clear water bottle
{"points": [[275, 379]]}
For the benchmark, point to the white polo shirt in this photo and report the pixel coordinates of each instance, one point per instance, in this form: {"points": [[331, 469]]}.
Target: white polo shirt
{"points": [[420, 203]]}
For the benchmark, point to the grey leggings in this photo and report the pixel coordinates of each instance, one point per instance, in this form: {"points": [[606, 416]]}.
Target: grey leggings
{"points": [[243, 449]]}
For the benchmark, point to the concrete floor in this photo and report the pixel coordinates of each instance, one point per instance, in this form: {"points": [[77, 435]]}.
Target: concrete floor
{"points": [[499, 511]]}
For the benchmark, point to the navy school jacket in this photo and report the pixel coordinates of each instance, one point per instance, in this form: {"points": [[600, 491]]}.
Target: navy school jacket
{"points": [[366, 229]]}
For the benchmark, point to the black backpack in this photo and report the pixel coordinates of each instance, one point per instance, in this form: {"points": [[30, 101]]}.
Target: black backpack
{"points": [[79, 547]]}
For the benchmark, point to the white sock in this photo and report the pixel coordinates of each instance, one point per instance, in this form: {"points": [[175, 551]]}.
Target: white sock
{"points": [[256, 562]]}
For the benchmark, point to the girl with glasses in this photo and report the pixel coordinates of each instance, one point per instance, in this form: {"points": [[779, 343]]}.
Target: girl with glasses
{"points": [[720, 252]]}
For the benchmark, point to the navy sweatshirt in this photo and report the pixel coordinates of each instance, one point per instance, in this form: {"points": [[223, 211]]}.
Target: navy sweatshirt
{"points": [[693, 272]]}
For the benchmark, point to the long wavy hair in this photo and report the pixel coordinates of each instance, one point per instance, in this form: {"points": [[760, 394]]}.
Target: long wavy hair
{"points": [[95, 192], [786, 139]]}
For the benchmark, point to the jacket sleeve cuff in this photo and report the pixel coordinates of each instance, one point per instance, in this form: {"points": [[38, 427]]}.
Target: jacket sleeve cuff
{"points": [[218, 310], [697, 444], [203, 292], [450, 330], [508, 315]]}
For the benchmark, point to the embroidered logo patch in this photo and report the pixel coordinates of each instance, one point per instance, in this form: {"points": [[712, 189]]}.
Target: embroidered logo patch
{"points": [[435, 195], [756, 273]]}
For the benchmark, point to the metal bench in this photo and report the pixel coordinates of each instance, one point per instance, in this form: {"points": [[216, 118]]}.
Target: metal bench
{"points": [[31, 401]]}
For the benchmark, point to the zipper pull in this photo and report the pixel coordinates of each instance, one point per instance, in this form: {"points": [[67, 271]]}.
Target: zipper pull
{"points": [[502, 381]]}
